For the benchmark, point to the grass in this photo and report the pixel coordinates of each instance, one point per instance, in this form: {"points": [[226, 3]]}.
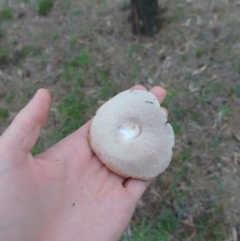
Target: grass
{"points": [[108, 87], [66, 4], [124, 4], [224, 110], [164, 221], [160, 228], [44, 6], [200, 36], [235, 62], [76, 108], [72, 113], [73, 40], [30, 51], [77, 12], [216, 145], [80, 60], [132, 51], [3, 113], [237, 90], [177, 15], [184, 57], [69, 73], [171, 96], [5, 56], [88, 31], [27, 92], [134, 75], [185, 155], [55, 36], [177, 114], [39, 147], [5, 13], [196, 117], [75, 68], [10, 97], [207, 228], [232, 57], [1, 33], [199, 52], [211, 90], [177, 120], [226, 48]]}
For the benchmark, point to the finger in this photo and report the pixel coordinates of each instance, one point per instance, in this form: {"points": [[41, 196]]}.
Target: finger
{"points": [[25, 129], [159, 92], [136, 188]]}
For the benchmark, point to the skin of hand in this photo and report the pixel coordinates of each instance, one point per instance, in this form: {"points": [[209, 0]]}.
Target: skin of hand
{"points": [[64, 193]]}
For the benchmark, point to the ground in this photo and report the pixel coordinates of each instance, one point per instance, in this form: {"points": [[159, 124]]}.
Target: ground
{"points": [[84, 53]]}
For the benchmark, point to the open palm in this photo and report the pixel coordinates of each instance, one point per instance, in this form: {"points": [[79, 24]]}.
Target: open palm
{"points": [[65, 193]]}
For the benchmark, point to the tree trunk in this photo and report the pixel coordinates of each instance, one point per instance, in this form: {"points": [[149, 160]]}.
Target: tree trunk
{"points": [[145, 17]]}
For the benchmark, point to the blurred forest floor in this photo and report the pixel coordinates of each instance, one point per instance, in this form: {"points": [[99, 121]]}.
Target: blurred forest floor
{"points": [[84, 53]]}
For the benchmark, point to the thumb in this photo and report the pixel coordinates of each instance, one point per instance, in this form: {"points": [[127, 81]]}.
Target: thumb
{"points": [[25, 129]]}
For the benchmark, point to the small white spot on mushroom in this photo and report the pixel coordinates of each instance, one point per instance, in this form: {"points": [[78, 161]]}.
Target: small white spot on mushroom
{"points": [[128, 131]]}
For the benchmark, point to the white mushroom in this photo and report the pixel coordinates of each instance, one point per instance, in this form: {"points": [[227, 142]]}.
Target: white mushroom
{"points": [[131, 136]]}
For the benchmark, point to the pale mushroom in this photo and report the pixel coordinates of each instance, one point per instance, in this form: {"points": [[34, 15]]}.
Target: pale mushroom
{"points": [[131, 136]]}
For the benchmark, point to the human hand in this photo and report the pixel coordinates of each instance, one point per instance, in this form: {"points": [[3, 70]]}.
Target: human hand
{"points": [[64, 193]]}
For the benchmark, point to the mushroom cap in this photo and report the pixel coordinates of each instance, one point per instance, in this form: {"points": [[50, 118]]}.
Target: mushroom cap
{"points": [[131, 136]]}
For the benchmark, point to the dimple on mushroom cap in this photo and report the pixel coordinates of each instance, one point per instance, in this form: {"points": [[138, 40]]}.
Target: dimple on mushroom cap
{"points": [[131, 136]]}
